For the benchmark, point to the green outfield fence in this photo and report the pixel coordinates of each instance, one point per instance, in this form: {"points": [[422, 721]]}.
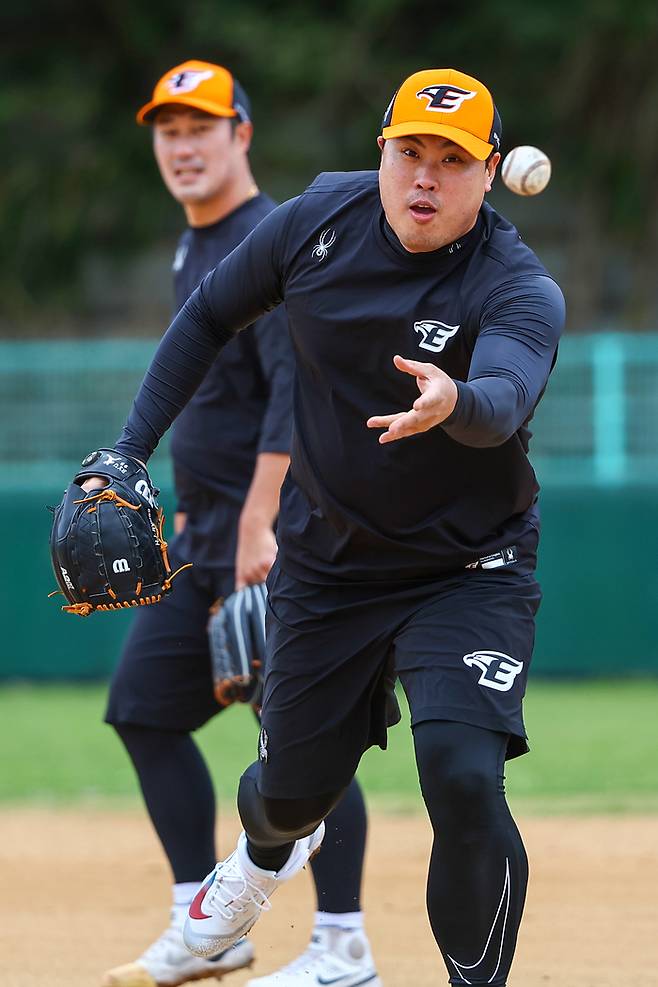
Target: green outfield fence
{"points": [[595, 450]]}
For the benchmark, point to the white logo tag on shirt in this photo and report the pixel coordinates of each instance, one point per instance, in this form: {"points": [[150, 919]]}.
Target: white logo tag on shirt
{"points": [[179, 257]]}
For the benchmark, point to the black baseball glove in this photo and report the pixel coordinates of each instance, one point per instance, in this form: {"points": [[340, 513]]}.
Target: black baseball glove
{"points": [[237, 645], [106, 546]]}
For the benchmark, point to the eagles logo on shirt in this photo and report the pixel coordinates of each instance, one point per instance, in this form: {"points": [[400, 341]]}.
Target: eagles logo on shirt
{"points": [[435, 334]]}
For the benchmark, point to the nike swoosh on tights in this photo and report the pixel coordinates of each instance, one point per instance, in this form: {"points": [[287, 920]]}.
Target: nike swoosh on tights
{"points": [[503, 909]]}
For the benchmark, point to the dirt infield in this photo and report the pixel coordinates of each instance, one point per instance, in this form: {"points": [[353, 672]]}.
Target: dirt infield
{"points": [[83, 890]]}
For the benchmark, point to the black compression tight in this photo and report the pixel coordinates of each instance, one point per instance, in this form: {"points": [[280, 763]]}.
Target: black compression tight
{"points": [[179, 796], [338, 869], [478, 870]]}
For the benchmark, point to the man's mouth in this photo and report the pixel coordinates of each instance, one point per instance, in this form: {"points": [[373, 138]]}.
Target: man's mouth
{"points": [[422, 210], [188, 172]]}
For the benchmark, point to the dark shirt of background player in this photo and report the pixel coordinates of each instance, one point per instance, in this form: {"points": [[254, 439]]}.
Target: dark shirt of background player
{"points": [[242, 408]]}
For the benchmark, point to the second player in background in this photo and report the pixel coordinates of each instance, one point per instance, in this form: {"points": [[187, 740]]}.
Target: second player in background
{"points": [[230, 454]]}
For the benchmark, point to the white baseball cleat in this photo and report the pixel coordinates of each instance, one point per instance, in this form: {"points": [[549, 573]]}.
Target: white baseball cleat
{"points": [[340, 957], [236, 892], [167, 963]]}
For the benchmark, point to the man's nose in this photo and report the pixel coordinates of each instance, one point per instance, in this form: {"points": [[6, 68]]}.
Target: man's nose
{"points": [[426, 181], [184, 147]]}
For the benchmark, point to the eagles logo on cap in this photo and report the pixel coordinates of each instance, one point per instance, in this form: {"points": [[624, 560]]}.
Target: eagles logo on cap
{"points": [[447, 103], [202, 86], [186, 81], [445, 99]]}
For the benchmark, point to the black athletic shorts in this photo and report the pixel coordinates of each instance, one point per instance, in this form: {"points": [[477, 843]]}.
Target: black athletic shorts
{"points": [[461, 647], [164, 676]]}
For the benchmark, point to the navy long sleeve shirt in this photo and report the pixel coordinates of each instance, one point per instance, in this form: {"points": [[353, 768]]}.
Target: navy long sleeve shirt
{"points": [[242, 408], [482, 308]]}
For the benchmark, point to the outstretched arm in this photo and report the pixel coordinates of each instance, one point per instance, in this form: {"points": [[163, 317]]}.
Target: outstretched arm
{"points": [[246, 284], [510, 365]]}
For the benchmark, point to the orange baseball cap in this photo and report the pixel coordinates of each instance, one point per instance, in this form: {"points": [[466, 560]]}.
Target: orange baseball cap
{"points": [[201, 85], [448, 103]]}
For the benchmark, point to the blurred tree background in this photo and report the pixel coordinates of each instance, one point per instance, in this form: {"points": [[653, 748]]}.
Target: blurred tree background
{"points": [[88, 229]]}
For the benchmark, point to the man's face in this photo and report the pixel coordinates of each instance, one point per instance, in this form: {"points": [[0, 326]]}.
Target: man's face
{"points": [[431, 189], [198, 154]]}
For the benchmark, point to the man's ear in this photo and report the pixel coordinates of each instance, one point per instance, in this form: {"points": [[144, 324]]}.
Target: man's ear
{"points": [[491, 166], [244, 133], [380, 143]]}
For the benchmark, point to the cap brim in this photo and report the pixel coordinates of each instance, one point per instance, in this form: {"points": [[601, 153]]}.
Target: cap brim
{"points": [[145, 115], [478, 148]]}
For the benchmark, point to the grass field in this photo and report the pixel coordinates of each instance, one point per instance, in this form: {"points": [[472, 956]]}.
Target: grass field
{"points": [[593, 750]]}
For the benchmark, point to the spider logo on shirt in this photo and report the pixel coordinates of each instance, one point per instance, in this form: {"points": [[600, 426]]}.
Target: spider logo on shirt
{"points": [[321, 249]]}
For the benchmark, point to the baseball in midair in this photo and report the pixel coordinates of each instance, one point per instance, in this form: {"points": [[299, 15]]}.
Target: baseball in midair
{"points": [[526, 170]]}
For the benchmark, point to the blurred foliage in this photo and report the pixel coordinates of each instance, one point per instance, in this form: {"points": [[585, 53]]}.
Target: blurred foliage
{"points": [[78, 182]]}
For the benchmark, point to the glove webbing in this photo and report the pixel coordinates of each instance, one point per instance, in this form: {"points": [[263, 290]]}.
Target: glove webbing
{"points": [[84, 609]]}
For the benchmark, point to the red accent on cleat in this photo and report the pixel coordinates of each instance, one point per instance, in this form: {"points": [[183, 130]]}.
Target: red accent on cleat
{"points": [[195, 907]]}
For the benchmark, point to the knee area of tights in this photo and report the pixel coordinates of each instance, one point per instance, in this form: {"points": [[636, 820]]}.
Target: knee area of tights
{"points": [[298, 816], [285, 815], [468, 786]]}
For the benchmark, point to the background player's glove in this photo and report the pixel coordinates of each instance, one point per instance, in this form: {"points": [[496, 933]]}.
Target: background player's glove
{"points": [[237, 646], [106, 545]]}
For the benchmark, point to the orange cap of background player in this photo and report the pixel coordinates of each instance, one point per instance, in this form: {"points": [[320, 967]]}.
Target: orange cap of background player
{"points": [[449, 104], [201, 85]]}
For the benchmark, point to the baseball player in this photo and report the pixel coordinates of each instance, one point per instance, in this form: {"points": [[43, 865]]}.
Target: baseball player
{"points": [[424, 333], [230, 451]]}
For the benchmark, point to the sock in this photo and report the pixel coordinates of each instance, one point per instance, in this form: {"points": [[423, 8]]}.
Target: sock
{"points": [[338, 920], [182, 895]]}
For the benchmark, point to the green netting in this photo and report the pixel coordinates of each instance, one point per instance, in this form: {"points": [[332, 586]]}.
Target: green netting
{"points": [[60, 399], [596, 424]]}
